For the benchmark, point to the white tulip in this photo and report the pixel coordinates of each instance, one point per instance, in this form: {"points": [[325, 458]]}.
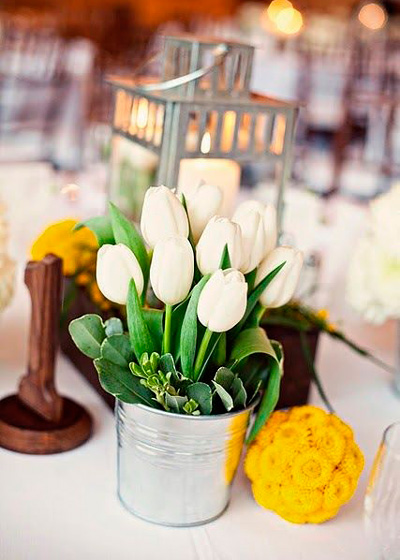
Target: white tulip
{"points": [[223, 300], [203, 202], [218, 233], [116, 265], [259, 232], [282, 287], [172, 269], [163, 215]]}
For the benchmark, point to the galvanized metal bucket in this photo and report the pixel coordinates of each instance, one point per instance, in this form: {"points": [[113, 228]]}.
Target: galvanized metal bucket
{"points": [[177, 470]]}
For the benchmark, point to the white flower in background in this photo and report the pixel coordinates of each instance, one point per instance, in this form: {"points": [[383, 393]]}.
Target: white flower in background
{"points": [[163, 215], [259, 232], [281, 289], [218, 233], [172, 269], [203, 202], [116, 265], [373, 283], [385, 220], [223, 300]]}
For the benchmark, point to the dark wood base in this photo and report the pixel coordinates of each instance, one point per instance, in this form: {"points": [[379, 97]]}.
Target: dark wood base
{"points": [[24, 431]]}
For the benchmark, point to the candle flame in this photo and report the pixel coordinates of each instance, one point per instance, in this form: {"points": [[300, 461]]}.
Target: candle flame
{"points": [[205, 145], [142, 113]]}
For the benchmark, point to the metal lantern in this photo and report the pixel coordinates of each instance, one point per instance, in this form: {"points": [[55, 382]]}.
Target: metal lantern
{"points": [[201, 120]]}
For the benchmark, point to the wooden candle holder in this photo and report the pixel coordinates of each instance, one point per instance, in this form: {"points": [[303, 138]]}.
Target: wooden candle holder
{"points": [[38, 420]]}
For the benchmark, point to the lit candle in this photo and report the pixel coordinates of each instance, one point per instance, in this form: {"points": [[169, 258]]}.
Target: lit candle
{"points": [[224, 173]]}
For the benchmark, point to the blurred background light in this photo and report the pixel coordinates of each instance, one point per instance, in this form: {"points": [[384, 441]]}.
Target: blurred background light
{"points": [[373, 16]]}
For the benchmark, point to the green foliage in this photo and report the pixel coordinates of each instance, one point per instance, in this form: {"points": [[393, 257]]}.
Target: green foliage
{"points": [[101, 227], [88, 334], [117, 349], [225, 259], [188, 338], [201, 394], [230, 389], [125, 232], [119, 381], [139, 333], [113, 326]]}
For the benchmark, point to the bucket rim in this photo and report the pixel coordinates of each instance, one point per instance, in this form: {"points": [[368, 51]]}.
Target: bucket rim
{"points": [[188, 417]]}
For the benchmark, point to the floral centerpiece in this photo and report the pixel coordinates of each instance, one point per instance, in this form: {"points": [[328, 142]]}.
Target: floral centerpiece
{"points": [[204, 354]]}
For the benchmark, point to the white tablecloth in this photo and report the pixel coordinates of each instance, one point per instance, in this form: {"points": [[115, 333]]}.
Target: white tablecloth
{"points": [[64, 507]]}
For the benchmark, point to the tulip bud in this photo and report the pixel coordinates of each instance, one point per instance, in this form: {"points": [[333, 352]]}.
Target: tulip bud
{"points": [[223, 300], [259, 232], [203, 202], [281, 289], [172, 269], [116, 265], [218, 233], [163, 215]]}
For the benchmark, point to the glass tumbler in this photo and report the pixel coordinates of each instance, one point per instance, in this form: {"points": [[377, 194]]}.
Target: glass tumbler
{"points": [[382, 500]]}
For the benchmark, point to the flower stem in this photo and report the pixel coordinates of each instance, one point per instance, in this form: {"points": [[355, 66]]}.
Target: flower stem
{"points": [[201, 353], [167, 330], [260, 313]]}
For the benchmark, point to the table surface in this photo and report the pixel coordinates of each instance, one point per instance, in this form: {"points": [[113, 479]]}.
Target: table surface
{"points": [[65, 507]]}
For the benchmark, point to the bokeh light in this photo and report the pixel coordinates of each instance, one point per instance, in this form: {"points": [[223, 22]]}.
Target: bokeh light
{"points": [[289, 21], [276, 7], [373, 16]]}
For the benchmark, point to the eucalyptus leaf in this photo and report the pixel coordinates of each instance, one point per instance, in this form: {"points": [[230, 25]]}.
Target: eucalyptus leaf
{"points": [[225, 397], [232, 385], [101, 227], [140, 337], [126, 233], [88, 333], [188, 338], [175, 402], [120, 382], [202, 394], [113, 326], [117, 349]]}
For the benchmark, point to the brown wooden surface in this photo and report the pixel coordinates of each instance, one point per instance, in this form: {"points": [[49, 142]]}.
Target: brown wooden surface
{"points": [[38, 420]]}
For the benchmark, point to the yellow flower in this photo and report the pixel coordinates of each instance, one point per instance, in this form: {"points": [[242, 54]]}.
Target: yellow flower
{"points": [[338, 491], [331, 441], [312, 469], [304, 465], [322, 314], [76, 248], [301, 500]]}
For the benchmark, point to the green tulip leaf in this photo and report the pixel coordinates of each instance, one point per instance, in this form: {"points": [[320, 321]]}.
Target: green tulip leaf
{"points": [[88, 334], [120, 382], [117, 349], [268, 401], [254, 341], [255, 296], [188, 338], [101, 227], [139, 333], [126, 233], [154, 322], [202, 394], [113, 326], [225, 262]]}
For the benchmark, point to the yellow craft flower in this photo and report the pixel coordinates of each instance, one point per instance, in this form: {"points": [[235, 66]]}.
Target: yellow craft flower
{"points": [[76, 248], [304, 465]]}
